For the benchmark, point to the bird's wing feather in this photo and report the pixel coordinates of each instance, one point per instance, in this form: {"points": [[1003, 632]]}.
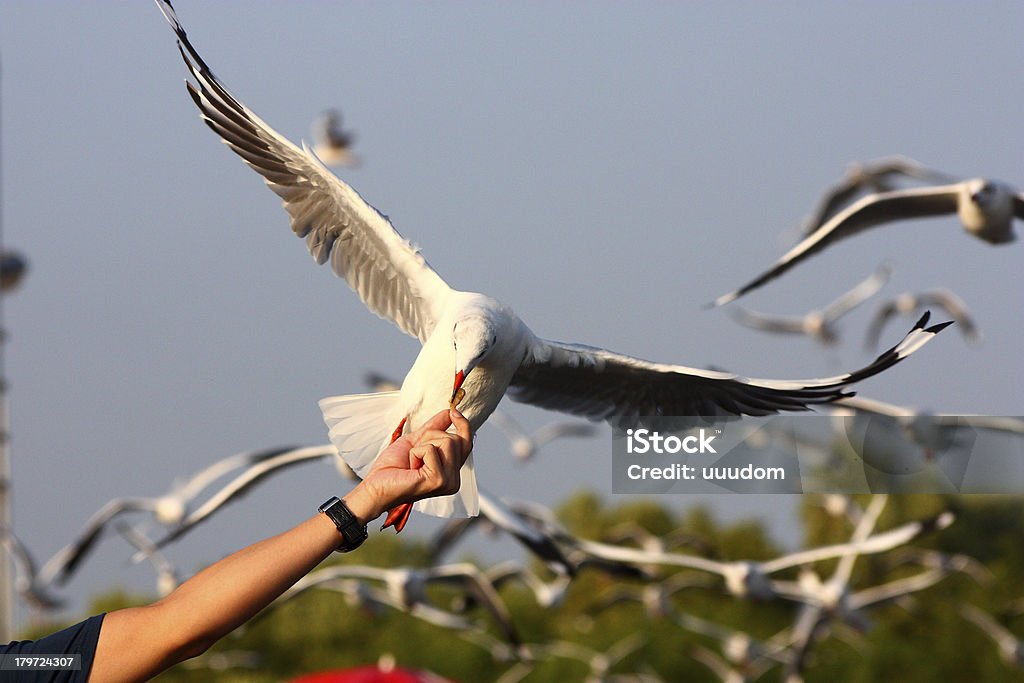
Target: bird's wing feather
{"points": [[877, 175], [388, 273], [768, 323], [863, 291], [241, 485], [873, 210], [601, 384]]}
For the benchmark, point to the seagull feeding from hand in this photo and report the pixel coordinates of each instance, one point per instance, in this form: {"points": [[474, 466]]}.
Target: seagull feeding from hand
{"points": [[986, 209], [475, 349], [818, 325], [332, 145], [909, 303], [524, 445]]}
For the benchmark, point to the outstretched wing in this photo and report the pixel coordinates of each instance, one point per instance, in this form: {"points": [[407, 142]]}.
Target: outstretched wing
{"points": [[601, 384], [873, 210], [388, 274], [873, 176]]}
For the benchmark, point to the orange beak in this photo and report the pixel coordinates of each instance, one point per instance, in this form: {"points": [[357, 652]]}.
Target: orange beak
{"points": [[460, 377]]}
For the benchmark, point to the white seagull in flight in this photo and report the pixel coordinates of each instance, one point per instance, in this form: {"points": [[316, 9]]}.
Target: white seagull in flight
{"points": [[863, 178], [333, 145], [986, 209], [474, 347]]}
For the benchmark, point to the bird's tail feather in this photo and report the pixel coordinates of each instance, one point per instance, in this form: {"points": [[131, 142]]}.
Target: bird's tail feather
{"points": [[360, 425]]}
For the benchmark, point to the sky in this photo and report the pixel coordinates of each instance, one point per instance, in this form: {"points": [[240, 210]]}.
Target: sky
{"points": [[603, 168]]}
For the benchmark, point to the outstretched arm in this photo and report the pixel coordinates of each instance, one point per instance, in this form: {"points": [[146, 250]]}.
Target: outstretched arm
{"points": [[139, 642]]}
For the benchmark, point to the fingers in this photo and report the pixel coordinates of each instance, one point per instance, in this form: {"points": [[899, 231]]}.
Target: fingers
{"points": [[442, 453], [440, 471], [462, 428], [441, 422]]}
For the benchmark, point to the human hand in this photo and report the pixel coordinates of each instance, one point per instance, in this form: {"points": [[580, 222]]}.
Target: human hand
{"points": [[418, 465]]}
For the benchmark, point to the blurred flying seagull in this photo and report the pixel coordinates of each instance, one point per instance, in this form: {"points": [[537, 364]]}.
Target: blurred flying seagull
{"points": [[276, 461], [474, 348], [986, 209], [909, 303], [168, 509], [922, 425], [869, 177], [332, 145], [818, 325], [495, 512], [1011, 648], [406, 587], [547, 593], [524, 445], [750, 578], [359, 594], [166, 576], [13, 267], [28, 582]]}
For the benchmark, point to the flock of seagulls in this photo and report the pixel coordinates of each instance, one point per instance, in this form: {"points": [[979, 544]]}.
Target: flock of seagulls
{"points": [[986, 209], [475, 350], [648, 569], [818, 325]]}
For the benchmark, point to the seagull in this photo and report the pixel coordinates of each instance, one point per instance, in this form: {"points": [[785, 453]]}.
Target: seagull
{"points": [[166, 577], [359, 594], [599, 661], [547, 593], [274, 461], [751, 578], [475, 349], [406, 587], [522, 444], [931, 432], [1011, 648], [818, 325], [333, 146], [28, 582], [13, 267], [946, 562], [501, 516], [870, 177], [986, 209], [169, 509], [908, 303]]}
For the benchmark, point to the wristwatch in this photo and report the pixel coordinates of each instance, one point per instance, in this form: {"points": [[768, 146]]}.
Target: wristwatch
{"points": [[351, 530]]}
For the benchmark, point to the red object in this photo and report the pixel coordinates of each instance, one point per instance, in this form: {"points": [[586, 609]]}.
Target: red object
{"points": [[371, 674]]}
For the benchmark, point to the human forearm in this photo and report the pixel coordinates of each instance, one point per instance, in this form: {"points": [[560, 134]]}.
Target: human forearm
{"points": [[138, 643]]}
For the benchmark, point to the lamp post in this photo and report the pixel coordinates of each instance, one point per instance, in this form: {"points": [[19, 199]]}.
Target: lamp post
{"points": [[12, 269]]}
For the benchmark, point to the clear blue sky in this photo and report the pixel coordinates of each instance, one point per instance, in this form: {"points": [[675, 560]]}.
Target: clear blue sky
{"points": [[605, 169]]}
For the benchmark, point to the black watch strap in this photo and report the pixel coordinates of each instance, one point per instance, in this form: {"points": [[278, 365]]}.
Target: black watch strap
{"points": [[351, 530]]}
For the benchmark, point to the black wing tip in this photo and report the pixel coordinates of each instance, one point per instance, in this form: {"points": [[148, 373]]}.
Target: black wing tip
{"points": [[935, 329], [922, 321]]}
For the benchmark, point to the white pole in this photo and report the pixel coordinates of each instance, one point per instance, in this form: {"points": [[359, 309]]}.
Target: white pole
{"points": [[6, 594]]}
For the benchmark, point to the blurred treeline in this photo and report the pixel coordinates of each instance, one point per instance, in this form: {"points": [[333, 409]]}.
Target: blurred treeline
{"points": [[921, 639]]}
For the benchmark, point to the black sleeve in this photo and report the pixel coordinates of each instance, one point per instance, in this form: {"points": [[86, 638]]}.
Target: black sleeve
{"points": [[79, 639]]}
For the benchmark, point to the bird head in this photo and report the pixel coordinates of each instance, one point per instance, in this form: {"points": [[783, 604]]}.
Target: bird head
{"points": [[982, 192], [473, 337]]}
